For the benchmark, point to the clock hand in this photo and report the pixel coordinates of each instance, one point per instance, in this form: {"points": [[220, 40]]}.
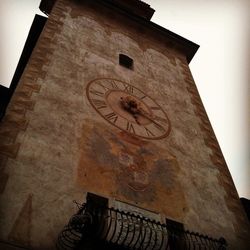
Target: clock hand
{"points": [[136, 119], [146, 115], [132, 107]]}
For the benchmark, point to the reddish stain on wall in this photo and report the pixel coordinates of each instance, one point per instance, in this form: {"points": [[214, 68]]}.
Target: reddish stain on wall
{"points": [[129, 169]]}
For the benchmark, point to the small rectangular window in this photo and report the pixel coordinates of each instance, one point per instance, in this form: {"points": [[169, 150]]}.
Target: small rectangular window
{"points": [[126, 61]]}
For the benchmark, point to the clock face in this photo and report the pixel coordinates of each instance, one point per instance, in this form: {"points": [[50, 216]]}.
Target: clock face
{"points": [[128, 108]]}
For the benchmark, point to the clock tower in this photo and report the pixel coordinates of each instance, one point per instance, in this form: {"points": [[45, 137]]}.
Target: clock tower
{"points": [[107, 114]]}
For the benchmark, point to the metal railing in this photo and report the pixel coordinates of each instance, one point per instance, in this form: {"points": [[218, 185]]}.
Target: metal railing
{"points": [[125, 230]]}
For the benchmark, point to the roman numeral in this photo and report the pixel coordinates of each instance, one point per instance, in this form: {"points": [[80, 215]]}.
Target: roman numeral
{"points": [[130, 128], [113, 84], [107, 88], [149, 133], [159, 127], [155, 108], [95, 92], [158, 118], [100, 104], [112, 117], [104, 87], [128, 88]]}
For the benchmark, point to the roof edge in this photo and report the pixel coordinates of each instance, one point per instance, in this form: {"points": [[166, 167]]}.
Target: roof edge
{"points": [[188, 47]]}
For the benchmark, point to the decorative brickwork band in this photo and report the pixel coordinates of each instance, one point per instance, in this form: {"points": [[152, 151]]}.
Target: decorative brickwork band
{"points": [[23, 101]]}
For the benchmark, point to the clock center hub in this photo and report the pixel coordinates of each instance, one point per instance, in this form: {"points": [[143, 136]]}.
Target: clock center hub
{"points": [[128, 106]]}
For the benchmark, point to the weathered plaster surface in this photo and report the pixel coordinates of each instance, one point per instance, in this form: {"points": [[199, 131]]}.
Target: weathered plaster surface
{"points": [[67, 149], [137, 172]]}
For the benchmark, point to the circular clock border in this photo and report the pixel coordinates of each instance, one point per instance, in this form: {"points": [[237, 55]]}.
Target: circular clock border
{"points": [[134, 135]]}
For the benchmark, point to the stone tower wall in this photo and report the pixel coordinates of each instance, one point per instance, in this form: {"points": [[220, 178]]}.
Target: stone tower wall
{"points": [[55, 148]]}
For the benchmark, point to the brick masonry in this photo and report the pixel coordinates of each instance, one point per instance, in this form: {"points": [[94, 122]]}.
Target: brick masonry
{"points": [[22, 102]]}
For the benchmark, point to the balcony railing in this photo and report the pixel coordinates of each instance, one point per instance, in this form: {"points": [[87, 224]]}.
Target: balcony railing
{"points": [[110, 228]]}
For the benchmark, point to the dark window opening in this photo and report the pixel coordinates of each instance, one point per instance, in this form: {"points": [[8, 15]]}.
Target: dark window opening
{"points": [[126, 61]]}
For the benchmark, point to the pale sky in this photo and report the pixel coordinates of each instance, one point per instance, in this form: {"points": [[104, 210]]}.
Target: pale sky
{"points": [[220, 67]]}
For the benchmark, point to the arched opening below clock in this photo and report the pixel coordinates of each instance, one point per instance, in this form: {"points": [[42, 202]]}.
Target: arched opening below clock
{"points": [[126, 61]]}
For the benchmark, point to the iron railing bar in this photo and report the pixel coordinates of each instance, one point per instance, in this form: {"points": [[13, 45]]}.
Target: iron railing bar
{"points": [[139, 233], [67, 241], [155, 236], [214, 244], [66, 245], [209, 243], [197, 242], [150, 237], [189, 241], [145, 232], [167, 237], [162, 237], [192, 240], [122, 243], [200, 240], [68, 236], [219, 244], [109, 226], [142, 233], [204, 243], [134, 228], [114, 229], [121, 228]]}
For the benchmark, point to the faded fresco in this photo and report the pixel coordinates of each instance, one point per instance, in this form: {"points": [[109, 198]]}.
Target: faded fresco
{"points": [[130, 169]]}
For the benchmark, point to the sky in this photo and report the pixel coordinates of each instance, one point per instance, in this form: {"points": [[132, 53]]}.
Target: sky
{"points": [[220, 67]]}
